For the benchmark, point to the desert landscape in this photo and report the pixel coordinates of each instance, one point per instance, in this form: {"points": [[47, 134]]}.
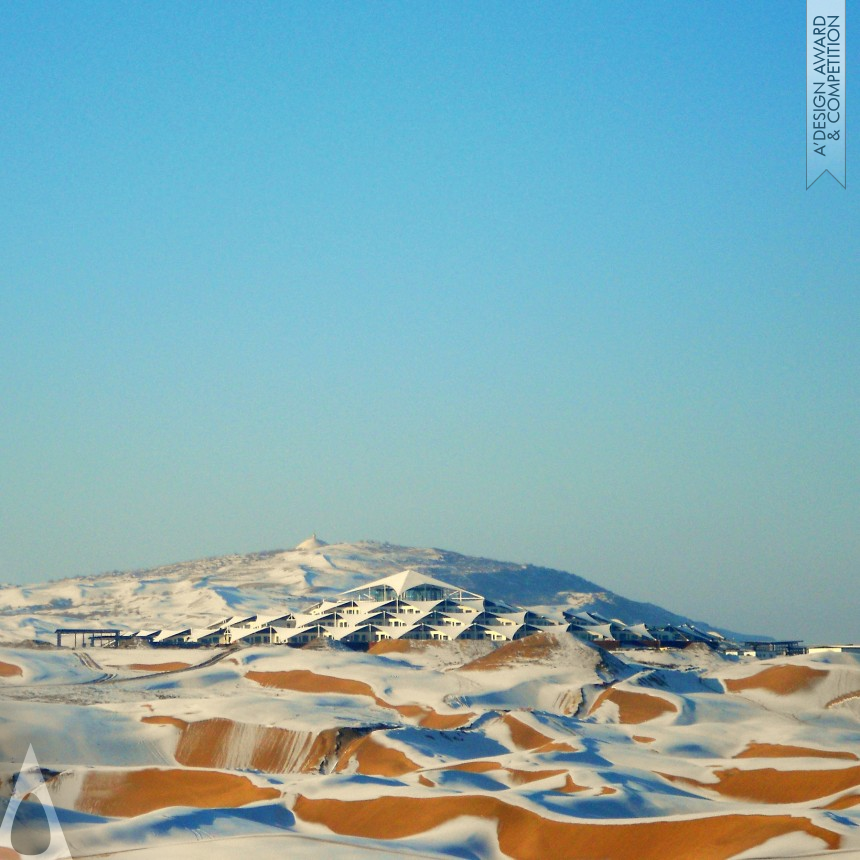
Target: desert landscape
{"points": [[544, 746], [544, 294]]}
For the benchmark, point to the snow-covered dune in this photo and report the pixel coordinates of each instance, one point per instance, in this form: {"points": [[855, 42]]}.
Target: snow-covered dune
{"points": [[538, 747], [545, 747]]}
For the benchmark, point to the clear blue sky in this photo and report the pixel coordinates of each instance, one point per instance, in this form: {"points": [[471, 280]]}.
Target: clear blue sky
{"points": [[535, 281]]}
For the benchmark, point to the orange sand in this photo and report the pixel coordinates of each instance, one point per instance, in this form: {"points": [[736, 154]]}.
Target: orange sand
{"points": [[402, 646], [222, 743], [474, 766], [643, 739], [208, 744], [846, 802], [783, 680], [127, 793], [324, 745], [10, 670], [840, 699], [767, 785], [634, 707], [526, 738], [780, 751], [159, 667], [429, 718], [570, 786], [305, 681], [374, 759], [538, 646], [525, 834], [568, 702], [165, 721], [522, 777]]}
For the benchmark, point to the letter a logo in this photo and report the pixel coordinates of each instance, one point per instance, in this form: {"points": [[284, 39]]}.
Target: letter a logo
{"points": [[30, 783]]}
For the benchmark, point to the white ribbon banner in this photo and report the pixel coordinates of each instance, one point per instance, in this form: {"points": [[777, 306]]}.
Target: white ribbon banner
{"points": [[825, 90]]}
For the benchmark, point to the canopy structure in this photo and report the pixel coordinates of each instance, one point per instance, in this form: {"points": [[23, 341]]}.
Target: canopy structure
{"points": [[411, 586]]}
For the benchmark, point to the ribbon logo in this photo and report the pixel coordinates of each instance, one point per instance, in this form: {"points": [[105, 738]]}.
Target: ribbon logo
{"points": [[825, 90]]}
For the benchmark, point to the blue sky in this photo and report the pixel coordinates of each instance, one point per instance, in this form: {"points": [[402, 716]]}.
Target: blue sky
{"points": [[540, 282]]}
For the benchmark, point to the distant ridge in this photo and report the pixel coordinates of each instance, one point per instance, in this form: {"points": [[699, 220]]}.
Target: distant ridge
{"points": [[203, 591]]}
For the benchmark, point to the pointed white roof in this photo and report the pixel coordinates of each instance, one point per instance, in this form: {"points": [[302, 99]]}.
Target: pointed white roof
{"points": [[605, 630], [406, 579], [641, 630], [167, 634]]}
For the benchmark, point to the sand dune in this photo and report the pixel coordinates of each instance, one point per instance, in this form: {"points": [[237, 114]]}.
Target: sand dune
{"points": [[474, 766], [570, 787], [633, 707], [515, 776], [403, 646], [847, 801], [126, 793], [523, 777], [10, 670], [223, 743], [755, 750], [373, 759], [509, 776], [538, 647], [525, 834], [767, 785], [843, 698], [783, 680], [165, 721], [159, 667], [430, 719], [525, 737], [305, 681], [568, 702]]}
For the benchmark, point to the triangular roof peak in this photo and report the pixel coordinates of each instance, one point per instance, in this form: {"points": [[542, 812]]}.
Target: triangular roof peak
{"points": [[408, 579]]}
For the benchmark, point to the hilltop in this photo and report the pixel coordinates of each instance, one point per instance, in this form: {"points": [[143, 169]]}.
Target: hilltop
{"points": [[201, 591]]}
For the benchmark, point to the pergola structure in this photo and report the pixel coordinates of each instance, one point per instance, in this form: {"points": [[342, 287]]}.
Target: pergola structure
{"points": [[105, 636]]}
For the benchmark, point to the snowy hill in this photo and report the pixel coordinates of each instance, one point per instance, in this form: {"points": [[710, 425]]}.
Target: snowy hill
{"points": [[200, 592], [542, 746]]}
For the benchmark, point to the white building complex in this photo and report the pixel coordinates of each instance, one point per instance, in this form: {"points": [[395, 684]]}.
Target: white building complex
{"points": [[406, 605], [411, 605]]}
